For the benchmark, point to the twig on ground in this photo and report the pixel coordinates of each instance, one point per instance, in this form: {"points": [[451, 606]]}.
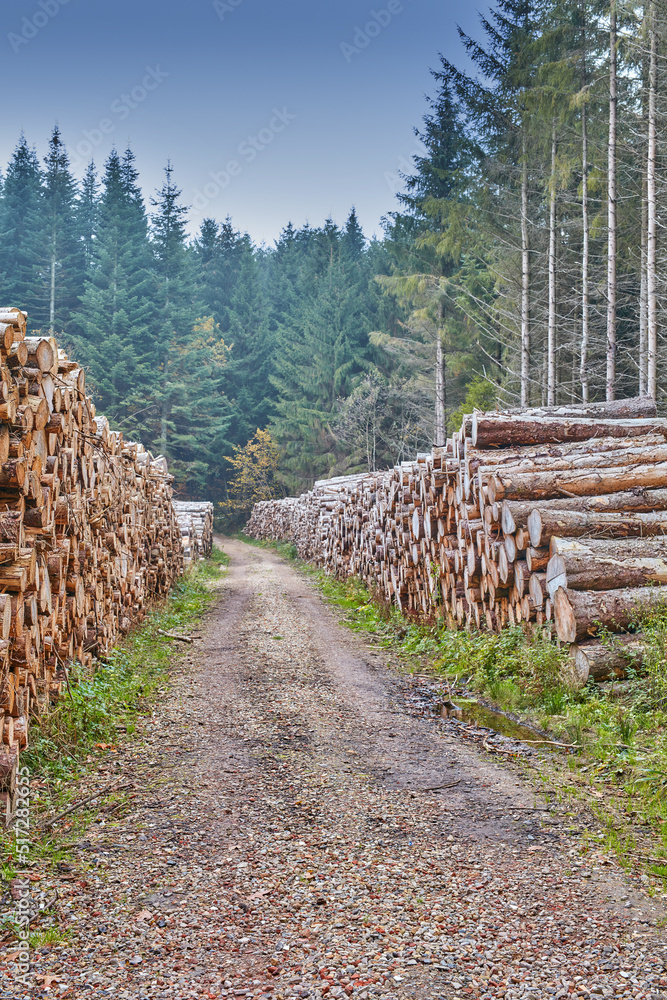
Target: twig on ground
{"points": [[553, 743], [172, 635], [436, 788], [113, 787]]}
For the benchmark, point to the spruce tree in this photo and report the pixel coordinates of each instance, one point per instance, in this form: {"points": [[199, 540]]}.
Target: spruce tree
{"points": [[316, 365], [117, 317], [61, 266], [174, 304], [87, 213], [21, 227]]}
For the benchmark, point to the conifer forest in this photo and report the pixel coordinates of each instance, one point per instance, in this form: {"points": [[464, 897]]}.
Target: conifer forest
{"points": [[524, 264]]}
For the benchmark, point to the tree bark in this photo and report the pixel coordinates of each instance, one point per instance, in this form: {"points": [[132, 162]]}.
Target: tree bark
{"points": [[525, 280], [604, 563], [546, 485], [651, 206], [584, 459], [604, 661], [491, 431], [622, 409], [543, 525], [551, 321], [515, 513], [579, 615], [611, 211], [643, 296], [440, 429], [585, 294]]}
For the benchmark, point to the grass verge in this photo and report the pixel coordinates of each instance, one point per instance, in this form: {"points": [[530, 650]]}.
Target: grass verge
{"points": [[619, 770], [72, 747]]}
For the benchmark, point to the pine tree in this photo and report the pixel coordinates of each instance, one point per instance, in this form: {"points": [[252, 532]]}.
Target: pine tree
{"points": [[87, 214], [117, 318], [426, 239], [316, 364], [22, 236], [61, 270], [172, 270]]}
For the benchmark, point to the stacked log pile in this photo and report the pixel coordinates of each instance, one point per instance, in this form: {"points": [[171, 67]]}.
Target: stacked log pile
{"points": [[552, 517], [195, 522], [88, 534]]}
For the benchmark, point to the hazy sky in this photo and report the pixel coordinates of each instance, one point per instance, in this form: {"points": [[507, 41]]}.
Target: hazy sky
{"points": [[270, 110]]}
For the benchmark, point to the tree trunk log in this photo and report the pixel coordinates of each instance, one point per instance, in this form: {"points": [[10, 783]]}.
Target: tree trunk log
{"points": [[490, 430], [601, 564], [515, 513], [546, 485], [604, 661], [579, 614], [543, 525]]}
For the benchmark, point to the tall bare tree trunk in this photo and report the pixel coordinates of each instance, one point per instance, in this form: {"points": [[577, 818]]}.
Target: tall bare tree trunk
{"points": [[611, 212], [651, 278], [551, 324], [525, 281], [440, 435], [643, 295], [52, 295], [585, 292], [52, 276]]}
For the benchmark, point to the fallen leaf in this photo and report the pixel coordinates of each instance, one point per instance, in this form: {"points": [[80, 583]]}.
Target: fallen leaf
{"points": [[48, 979]]}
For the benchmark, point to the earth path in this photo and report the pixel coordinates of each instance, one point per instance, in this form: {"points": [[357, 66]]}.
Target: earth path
{"points": [[285, 840]]}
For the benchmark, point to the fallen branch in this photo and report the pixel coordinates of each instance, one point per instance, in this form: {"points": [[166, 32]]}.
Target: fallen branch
{"points": [[113, 787], [490, 749], [552, 743], [172, 635], [437, 788]]}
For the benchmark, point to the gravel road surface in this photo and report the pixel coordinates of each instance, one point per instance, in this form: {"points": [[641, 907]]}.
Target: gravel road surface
{"points": [[298, 831]]}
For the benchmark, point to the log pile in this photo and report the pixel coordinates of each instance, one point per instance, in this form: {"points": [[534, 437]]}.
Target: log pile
{"points": [[88, 534], [195, 522], [550, 517]]}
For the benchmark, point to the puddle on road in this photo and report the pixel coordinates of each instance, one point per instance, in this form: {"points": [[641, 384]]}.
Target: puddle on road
{"points": [[475, 714]]}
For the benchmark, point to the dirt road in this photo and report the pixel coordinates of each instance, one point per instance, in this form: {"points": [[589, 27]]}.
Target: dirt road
{"points": [[293, 836]]}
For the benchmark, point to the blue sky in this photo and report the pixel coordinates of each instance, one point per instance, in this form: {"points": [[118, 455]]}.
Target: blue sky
{"points": [[270, 110]]}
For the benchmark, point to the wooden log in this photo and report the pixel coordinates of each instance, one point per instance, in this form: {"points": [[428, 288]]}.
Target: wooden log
{"points": [[588, 458], [40, 353], [546, 485], [579, 615], [18, 356], [617, 409], [542, 525], [506, 431], [601, 564], [537, 558], [14, 317], [537, 589], [603, 661], [514, 514]]}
